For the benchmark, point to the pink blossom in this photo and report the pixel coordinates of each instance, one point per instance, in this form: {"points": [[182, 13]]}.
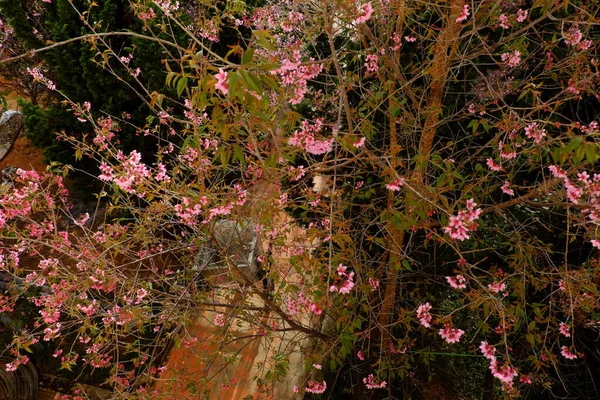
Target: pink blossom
{"points": [[508, 155], [591, 128], [533, 132], [504, 21], [371, 63], [572, 88], [525, 379], [492, 165], [315, 308], [374, 283], [222, 83], [220, 320], [512, 59], [497, 287], [346, 287], [574, 193], [162, 173], [506, 373], [423, 315], [451, 335], [316, 387], [359, 143], [564, 351], [573, 36], [459, 226], [457, 282], [39, 77], [564, 329], [596, 243], [369, 382], [505, 189], [395, 185], [487, 349], [360, 356], [397, 42], [521, 15], [557, 172], [305, 138], [464, 14], [365, 13], [348, 281]]}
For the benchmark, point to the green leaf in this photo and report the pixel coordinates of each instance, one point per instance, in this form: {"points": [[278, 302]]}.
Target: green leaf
{"points": [[591, 153], [225, 157], [265, 39], [406, 265], [575, 143], [238, 154], [530, 338], [250, 82], [396, 111], [248, 55], [181, 85]]}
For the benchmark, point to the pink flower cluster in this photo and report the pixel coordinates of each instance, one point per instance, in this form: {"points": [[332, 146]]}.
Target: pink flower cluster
{"points": [[459, 226], [506, 373], [105, 132], [504, 21], [564, 329], [371, 63], [301, 302], [497, 287], [369, 382], [347, 278], [296, 76], [464, 14], [424, 315], [365, 13], [574, 37], [395, 185], [316, 387], [146, 15], [450, 335], [39, 77], [533, 132], [512, 59], [488, 350], [305, 138], [20, 360], [458, 282], [506, 189], [585, 184], [194, 117], [564, 351], [167, 6], [220, 320], [133, 172], [222, 83], [492, 165]]}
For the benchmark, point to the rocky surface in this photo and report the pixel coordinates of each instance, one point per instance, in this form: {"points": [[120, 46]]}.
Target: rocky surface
{"points": [[11, 124]]}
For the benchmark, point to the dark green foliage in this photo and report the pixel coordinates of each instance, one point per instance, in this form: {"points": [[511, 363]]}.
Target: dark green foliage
{"points": [[77, 71]]}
